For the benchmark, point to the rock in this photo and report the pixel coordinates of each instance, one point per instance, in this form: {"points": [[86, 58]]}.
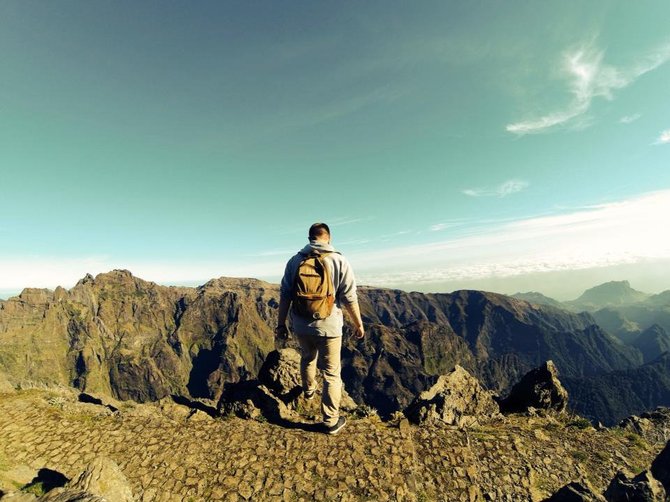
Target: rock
{"points": [[70, 495], [660, 467], [251, 400], [18, 497], [277, 393], [281, 373], [642, 488], [103, 478], [19, 475], [456, 398], [6, 386], [173, 410], [574, 492], [650, 425], [540, 389]]}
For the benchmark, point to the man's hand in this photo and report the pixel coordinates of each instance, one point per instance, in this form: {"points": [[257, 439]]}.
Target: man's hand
{"points": [[281, 332], [359, 332]]}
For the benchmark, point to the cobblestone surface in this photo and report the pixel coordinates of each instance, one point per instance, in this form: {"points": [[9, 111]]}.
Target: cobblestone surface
{"points": [[170, 457]]}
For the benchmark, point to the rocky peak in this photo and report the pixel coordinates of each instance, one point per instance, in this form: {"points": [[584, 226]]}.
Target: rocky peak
{"points": [[539, 388], [36, 296]]}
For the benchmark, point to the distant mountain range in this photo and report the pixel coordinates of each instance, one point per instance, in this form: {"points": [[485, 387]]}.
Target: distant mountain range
{"points": [[618, 308], [119, 335]]}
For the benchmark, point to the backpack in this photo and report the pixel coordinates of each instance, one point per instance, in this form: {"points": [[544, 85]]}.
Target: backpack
{"points": [[313, 290]]}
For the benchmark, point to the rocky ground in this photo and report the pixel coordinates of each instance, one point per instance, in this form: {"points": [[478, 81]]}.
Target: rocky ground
{"points": [[171, 452]]}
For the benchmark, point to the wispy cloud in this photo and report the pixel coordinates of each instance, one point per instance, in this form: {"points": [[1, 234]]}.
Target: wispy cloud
{"points": [[503, 190], [589, 77], [627, 119], [600, 235], [623, 232], [346, 220], [664, 138], [446, 224]]}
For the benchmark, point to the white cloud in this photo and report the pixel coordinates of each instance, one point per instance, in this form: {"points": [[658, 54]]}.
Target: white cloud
{"points": [[629, 231], [664, 138], [588, 78], [503, 190], [629, 118], [48, 272]]}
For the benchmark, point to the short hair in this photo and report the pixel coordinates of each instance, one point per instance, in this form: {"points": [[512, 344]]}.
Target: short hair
{"points": [[318, 230]]}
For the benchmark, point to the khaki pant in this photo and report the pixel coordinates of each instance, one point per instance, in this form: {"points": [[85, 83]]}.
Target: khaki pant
{"points": [[324, 353]]}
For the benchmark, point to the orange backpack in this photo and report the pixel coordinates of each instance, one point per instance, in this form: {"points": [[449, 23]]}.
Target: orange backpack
{"points": [[313, 290]]}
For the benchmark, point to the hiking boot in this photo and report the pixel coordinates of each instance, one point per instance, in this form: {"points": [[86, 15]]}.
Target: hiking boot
{"points": [[334, 429]]}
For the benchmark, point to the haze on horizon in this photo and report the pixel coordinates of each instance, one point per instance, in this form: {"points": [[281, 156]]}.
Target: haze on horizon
{"points": [[506, 147]]}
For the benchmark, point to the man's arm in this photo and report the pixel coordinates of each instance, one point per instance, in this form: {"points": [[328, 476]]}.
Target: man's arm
{"points": [[284, 299], [355, 312], [284, 304], [347, 294]]}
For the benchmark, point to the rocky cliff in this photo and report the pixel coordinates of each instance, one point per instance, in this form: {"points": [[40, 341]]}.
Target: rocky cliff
{"points": [[122, 336]]}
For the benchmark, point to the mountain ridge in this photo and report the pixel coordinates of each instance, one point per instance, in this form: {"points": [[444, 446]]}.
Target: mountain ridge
{"points": [[133, 339]]}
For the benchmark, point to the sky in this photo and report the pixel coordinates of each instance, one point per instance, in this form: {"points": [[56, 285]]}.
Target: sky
{"points": [[505, 146]]}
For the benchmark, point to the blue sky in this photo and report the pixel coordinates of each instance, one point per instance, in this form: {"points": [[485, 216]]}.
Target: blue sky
{"points": [[503, 146]]}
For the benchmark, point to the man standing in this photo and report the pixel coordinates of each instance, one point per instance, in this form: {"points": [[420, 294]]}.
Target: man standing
{"points": [[318, 281]]}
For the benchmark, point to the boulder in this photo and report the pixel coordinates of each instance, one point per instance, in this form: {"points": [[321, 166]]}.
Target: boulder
{"points": [[253, 400], [574, 492], [642, 488], [280, 373], [660, 467], [457, 398], [539, 389], [101, 481]]}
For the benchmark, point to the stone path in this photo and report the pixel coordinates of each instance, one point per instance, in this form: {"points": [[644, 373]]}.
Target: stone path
{"points": [[170, 457]]}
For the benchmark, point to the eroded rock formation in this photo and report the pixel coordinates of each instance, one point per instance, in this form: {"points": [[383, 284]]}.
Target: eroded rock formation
{"points": [[457, 398]]}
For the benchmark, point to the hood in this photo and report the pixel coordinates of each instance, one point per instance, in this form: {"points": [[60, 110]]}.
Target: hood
{"points": [[318, 246]]}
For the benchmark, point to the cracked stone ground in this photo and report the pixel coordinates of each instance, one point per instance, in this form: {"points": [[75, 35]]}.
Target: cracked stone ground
{"points": [[171, 454]]}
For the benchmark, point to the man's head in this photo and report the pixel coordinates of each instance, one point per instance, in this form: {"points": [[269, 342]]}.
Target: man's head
{"points": [[319, 232]]}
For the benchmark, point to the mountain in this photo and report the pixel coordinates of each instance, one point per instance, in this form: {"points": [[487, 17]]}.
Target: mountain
{"points": [[652, 342], [628, 321], [613, 396], [122, 336], [538, 298], [660, 300], [614, 293], [614, 321], [132, 339]]}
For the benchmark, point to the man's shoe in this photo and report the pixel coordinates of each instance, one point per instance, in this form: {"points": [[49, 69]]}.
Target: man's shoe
{"points": [[341, 422], [309, 394]]}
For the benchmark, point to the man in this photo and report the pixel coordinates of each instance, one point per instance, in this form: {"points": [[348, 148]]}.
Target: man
{"points": [[321, 338]]}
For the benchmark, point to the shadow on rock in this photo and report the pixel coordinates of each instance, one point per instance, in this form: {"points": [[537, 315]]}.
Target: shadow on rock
{"points": [[276, 395]]}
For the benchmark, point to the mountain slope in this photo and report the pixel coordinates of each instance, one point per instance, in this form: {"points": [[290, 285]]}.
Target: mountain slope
{"points": [[616, 395], [652, 342], [538, 298], [132, 339]]}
